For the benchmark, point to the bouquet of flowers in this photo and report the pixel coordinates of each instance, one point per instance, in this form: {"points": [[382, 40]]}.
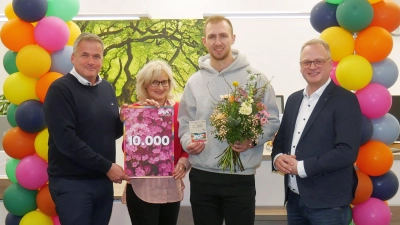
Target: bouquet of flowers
{"points": [[238, 117]]}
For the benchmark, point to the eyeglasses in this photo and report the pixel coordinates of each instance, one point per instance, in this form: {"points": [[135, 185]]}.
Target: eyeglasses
{"points": [[156, 83], [317, 63]]}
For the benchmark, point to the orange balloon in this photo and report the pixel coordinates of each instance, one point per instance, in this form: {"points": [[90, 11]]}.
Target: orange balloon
{"points": [[386, 15], [364, 188], [44, 82], [45, 203], [9, 12], [374, 158], [15, 34], [373, 43], [18, 143]]}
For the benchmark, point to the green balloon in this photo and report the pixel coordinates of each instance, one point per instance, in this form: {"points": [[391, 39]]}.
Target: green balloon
{"points": [[63, 9], [334, 1], [9, 62], [11, 114], [18, 200], [354, 15], [11, 166]]}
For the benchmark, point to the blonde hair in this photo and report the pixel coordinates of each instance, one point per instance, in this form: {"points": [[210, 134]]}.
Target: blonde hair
{"points": [[151, 71], [317, 41], [216, 19], [87, 37]]}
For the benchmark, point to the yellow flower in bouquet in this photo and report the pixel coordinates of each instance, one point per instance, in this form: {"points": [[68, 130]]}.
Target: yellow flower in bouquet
{"points": [[239, 117]]}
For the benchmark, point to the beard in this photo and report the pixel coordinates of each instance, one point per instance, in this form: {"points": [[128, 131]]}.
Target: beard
{"points": [[222, 56]]}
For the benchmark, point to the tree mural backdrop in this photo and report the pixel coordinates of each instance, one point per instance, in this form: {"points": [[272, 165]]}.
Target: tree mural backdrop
{"points": [[129, 45]]}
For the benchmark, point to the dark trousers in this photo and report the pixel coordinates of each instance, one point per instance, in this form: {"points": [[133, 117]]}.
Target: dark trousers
{"points": [[300, 214], [144, 213], [80, 202], [217, 197]]}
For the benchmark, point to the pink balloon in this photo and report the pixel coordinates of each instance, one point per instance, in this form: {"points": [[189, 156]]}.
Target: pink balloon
{"points": [[51, 33], [333, 73], [375, 100], [56, 220], [372, 212], [31, 172]]}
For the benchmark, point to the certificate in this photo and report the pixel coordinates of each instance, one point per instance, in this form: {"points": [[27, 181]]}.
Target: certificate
{"points": [[148, 141]]}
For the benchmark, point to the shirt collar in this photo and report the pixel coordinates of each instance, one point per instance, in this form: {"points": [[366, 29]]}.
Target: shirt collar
{"points": [[83, 80], [319, 91]]}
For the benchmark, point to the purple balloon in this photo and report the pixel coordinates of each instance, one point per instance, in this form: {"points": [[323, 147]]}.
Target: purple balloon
{"points": [[372, 212], [375, 100]]}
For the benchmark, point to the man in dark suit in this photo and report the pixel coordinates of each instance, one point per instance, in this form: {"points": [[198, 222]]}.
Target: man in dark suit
{"points": [[317, 144]]}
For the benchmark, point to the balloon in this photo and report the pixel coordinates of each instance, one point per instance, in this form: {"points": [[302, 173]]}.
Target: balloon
{"points": [[15, 34], [11, 166], [61, 60], [74, 32], [367, 130], [12, 220], [340, 41], [45, 202], [30, 116], [354, 15], [334, 1], [11, 114], [44, 82], [41, 146], [30, 10], [36, 218], [372, 212], [386, 129], [9, 62], [18, 144], [51, 33], [18, 88], [18, 200], [56, 220], [33, 61], [63, 9], [323, 15], [333, 73], [374, 158], [385, 72], [9, 11], [353, 72], [385, 186], [364, 188], [31, 172], [386, 15], [374, 1], [375, 100], [374, 44]]}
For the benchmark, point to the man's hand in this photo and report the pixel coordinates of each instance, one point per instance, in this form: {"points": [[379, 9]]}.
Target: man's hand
{"points": [[286, 163], [195, 148], [242, 147], [117, 174]]}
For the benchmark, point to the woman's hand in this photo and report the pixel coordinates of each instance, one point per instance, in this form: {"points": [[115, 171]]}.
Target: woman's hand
{"points": [[179, 172], [150, 102]]}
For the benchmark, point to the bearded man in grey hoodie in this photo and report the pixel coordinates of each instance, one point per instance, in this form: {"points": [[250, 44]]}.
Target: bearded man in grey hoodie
{"points": [[216, 194]]}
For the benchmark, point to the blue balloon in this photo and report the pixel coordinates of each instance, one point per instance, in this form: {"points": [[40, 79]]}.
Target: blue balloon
{"points": [[386, 129], [30, 116], [367, 130], [61, 60], [323, 15], [385, 72], [30, 10], [385, 186], [12, 219]]}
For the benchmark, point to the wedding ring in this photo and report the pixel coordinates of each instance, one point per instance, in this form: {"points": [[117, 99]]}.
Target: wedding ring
{"points": [[181, 168]]}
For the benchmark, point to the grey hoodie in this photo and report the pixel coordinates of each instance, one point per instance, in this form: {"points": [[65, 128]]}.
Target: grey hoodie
{"points": [[202, 91]]}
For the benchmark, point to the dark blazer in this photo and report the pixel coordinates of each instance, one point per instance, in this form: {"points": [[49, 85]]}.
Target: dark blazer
{"points": [[328, 146]]}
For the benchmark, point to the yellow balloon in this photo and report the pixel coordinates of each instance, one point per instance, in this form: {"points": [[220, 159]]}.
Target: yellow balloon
{"points": [[41, 146], [74, 32], [18, 88], [354, 72], [9, 11], [374, 1], [33, 61], [341, 42], [36, 218]]}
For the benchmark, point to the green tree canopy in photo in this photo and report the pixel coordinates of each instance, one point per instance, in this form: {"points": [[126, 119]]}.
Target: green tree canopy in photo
{"points": [[129, 45]]}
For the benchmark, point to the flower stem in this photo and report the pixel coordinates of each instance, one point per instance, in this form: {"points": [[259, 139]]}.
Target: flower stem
{"points": [[230, 160]]}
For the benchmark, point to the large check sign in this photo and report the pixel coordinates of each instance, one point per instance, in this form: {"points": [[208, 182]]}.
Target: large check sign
{"points": [[149, 141]]}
